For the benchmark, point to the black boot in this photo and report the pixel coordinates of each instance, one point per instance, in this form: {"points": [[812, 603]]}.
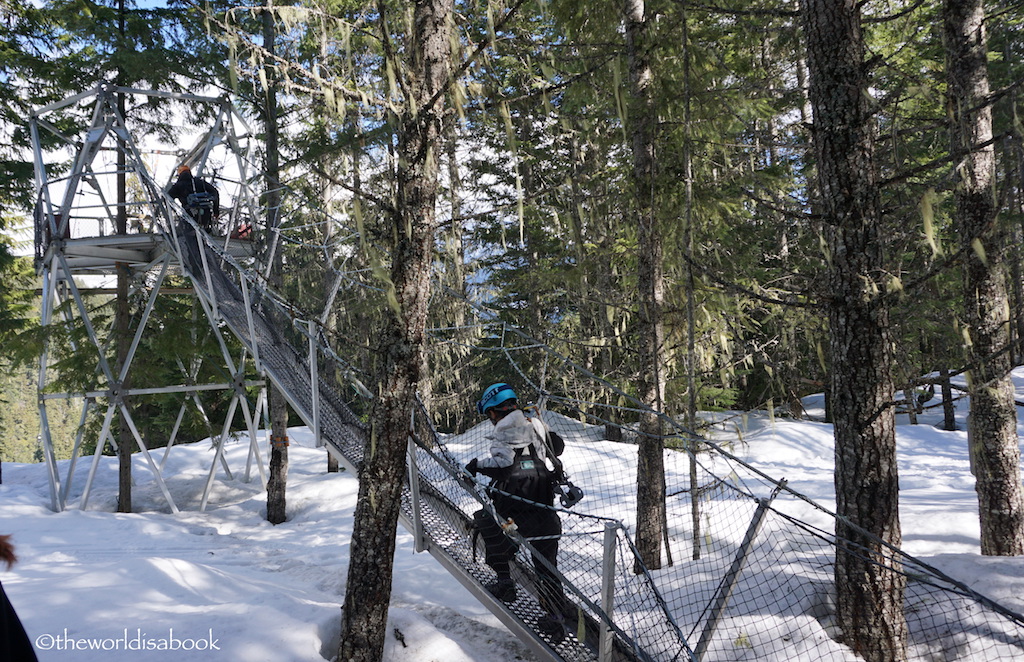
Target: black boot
{"points": [[503, 588], [552, 625]]}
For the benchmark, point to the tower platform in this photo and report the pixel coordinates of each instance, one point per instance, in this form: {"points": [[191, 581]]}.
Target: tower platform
{"points": [[99, 256]]}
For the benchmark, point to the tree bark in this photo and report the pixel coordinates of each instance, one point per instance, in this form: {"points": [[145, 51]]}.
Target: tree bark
{"points": [[122, 313], [277, 482], [869, 587], [368, 589], [650, 281], [992, 424], [948, 407], [1017, 189], [125, 441]]}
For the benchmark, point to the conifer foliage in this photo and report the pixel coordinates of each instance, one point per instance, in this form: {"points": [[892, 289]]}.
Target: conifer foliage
{"points": [[707, 205]]}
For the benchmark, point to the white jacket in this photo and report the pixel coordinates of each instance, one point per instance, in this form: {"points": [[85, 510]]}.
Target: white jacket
{"points": [[516, 430]]}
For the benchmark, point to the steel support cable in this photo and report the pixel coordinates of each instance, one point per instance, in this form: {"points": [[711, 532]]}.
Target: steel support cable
{"points": [[533, 343], [481, 493], [850, 546]]}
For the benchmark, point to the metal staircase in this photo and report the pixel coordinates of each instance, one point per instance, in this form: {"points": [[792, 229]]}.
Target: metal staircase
{"points": [[430, 508], [80, 231]]}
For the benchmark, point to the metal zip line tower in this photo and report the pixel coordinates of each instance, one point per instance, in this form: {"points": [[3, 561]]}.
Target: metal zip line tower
{"points": [[760, 587], [74, 239], [77, 247]]}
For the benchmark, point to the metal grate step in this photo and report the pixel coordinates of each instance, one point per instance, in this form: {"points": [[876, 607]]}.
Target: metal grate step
{"points": [[444, 526]]}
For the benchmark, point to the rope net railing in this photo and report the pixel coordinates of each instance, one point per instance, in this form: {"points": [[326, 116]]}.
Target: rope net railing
{"points": [[727, 590], [748, 564], [781, 603], [586, 553]]}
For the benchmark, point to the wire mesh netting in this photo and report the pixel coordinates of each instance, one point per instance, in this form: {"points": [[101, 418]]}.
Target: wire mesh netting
{"points": [[748, 566], [749, 569], [773, 599]]}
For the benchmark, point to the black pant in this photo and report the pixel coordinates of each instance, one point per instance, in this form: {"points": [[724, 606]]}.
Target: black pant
{"points": [[14, 642], [532, 523], [190, 248], [204, 218]]}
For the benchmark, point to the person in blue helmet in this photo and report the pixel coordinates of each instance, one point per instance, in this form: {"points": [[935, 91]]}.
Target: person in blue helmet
{"points": [[522, 490]]}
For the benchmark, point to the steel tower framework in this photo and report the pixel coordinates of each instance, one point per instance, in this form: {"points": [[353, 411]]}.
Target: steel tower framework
{"points": [[77, 241]]}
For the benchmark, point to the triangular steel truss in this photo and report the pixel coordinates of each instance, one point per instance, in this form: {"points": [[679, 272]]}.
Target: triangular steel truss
{"points": [[235, 299], [76, 220]]}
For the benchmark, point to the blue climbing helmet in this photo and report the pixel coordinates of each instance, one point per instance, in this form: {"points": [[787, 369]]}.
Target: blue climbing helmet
{"points": [[494, 395]]}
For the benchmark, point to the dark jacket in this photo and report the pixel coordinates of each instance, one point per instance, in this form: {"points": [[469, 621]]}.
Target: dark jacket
{"points": [[14, 642], [186, 185]]}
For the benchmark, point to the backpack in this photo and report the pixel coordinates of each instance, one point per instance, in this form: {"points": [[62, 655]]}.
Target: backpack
{"points": [[199, 201], [568, 494], [528, 478]]}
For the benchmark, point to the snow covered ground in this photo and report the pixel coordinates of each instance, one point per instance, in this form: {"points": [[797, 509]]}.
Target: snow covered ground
{"points": [[226, 585]]}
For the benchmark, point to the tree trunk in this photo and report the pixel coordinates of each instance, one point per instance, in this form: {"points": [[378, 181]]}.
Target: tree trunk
{"points": [[948, 409], [330, 318], [277, 482], [125, 441], [122, 314], [910, 397], [1018, 238], [691, 306], [455, 414], [1014, 254], [650, 280], [1016, 291], [869, 588], [401, 343], [992, 424]]}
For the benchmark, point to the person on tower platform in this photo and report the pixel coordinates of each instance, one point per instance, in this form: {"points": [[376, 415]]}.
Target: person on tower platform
{"points": [[198, 197]]}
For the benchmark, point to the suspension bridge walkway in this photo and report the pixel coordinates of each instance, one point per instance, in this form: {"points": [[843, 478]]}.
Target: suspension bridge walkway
{"points": [[434, 503], [759, 583]]}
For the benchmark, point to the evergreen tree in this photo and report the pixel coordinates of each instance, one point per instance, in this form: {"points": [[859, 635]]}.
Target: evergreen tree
{"points": [[869, 589], [651, 281], [992, 425], [423, 73]]}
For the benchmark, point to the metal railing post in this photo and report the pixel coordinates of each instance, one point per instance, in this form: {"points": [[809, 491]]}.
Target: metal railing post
{"points": [[314, 383], [244, 283], [604, 651], [414, 489], [208, 277], [731, 578]]}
